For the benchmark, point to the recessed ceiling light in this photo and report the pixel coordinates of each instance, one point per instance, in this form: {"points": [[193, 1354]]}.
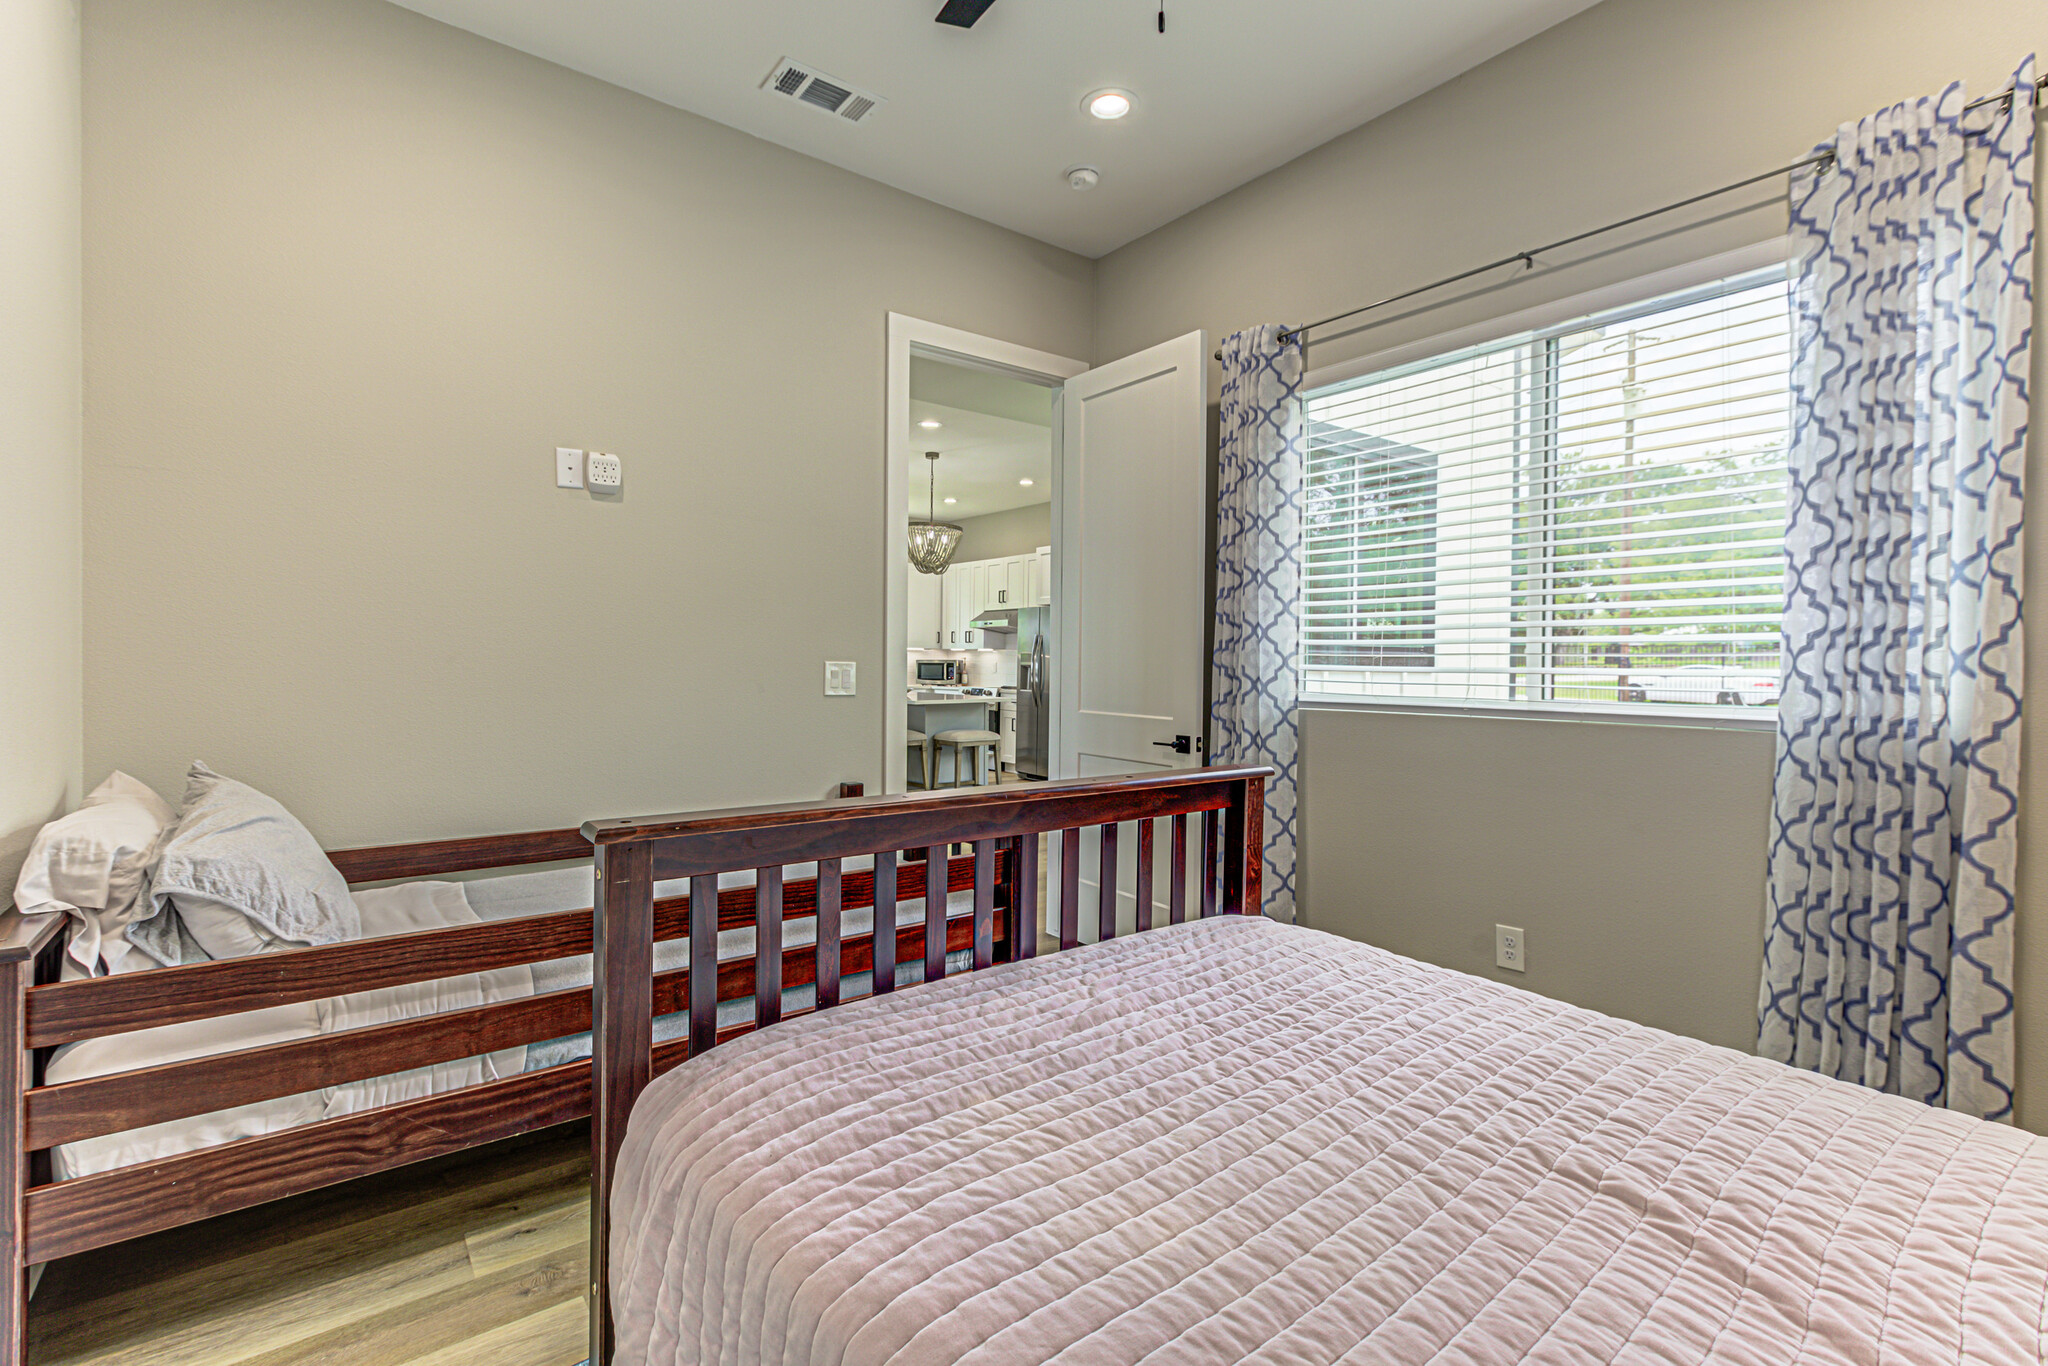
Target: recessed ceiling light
{"points": [[1025, 482], [1108, 104], [931, 424], [952, 500]]}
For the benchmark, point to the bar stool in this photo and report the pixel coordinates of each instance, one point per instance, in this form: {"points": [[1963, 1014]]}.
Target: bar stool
{"points": [[962, 741], [923, 746]]}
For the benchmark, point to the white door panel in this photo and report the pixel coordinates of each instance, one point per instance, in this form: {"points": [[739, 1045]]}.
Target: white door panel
{"points": [[1130, 569]]}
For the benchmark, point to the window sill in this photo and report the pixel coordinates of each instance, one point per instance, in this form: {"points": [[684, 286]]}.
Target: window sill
{"points": [[1613, 714]]}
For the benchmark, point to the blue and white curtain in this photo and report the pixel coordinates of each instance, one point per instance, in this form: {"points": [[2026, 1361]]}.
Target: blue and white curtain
{"points": [[1888, 956], [1257, 668]]}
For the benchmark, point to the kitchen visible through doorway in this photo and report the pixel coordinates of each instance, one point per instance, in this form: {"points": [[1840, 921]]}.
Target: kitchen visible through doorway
{"points": [[978, 637]]}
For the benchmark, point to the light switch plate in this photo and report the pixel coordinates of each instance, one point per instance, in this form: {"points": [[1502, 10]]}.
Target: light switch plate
{"points": [[568, 468], [1510, 948], [838, 678]]}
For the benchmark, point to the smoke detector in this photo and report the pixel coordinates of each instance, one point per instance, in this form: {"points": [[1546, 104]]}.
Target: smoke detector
{"points": [[804, 83], [1083, 177]]}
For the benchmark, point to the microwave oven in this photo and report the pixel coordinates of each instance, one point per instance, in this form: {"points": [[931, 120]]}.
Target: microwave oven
{"points": [[945, 673]]}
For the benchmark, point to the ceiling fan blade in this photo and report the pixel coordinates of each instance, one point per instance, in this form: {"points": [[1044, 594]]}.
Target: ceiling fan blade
{"points": [[963, 13]]}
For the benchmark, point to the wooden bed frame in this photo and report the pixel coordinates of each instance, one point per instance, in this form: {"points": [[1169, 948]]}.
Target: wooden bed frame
{"points": [[45, 1219], [1000, 824], [42, 1219]]}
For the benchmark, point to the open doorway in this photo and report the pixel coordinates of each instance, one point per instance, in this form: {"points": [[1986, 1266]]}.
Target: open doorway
{"points": [[978, 619], [970, 646]]}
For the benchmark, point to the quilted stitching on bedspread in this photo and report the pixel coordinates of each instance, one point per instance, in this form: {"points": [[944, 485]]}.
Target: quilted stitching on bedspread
{"points": [[1241, 1141]]}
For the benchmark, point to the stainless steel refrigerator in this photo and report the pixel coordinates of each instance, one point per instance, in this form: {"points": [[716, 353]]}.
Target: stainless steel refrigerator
{"points": [[1034, 692]]}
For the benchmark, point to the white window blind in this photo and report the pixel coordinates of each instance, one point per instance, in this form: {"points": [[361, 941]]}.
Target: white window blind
{"points": [[1590, 514]]}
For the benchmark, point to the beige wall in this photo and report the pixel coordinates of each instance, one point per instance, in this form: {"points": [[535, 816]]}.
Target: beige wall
{"points": [[1632, 855], [1016, 531], [39, 398], [351, 276]]}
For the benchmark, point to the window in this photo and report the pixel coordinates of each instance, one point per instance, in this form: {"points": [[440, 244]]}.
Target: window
{"points": [[1594, 513]]}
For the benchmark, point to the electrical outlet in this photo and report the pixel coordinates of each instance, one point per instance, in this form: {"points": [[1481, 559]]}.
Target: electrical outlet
{"points": [[1510, 948], [604, 472], [568, 468], [838, 678]]}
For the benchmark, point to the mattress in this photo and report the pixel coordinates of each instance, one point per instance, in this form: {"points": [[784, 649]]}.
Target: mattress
{"points": [[1241, 1141], [401, 909]]}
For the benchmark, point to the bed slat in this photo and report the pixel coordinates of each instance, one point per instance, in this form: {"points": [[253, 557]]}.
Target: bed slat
{"points": [[66, 1011], [827, 951], [703, 955], [1177, 873], [1105, 887], [885, 916], [1146, 855], [74, 1216], [768, 943], [438, 857], [1024, 913], [93, 1106], [721, 840], [1208, 864], [935, 862], [984, 903], [1070, 889]]}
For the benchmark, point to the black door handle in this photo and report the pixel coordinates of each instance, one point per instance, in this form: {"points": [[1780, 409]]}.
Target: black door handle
{"points": [[1179, 744]]}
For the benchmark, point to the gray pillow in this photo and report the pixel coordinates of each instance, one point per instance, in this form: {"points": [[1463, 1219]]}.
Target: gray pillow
{"points": [[238, 874]]}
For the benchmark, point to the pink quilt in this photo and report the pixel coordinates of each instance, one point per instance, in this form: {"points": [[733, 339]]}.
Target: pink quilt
{"points": [[1241, 1141]]}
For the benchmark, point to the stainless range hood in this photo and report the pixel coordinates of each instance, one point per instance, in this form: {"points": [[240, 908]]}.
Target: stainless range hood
{"points": [[1005, 621]]}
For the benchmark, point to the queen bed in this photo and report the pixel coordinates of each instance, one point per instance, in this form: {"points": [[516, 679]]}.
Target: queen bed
{"points": [[1231, 1140]]}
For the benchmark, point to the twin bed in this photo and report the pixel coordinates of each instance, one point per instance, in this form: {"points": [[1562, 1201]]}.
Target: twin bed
{"points": [[1214, 1139]]}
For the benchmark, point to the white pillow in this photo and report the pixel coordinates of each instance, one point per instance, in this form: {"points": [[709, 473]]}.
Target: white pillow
{"points": [[91, 865], [238, 875]]}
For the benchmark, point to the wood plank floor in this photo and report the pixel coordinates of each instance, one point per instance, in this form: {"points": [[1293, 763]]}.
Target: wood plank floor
{"points": [[478, 1259]]}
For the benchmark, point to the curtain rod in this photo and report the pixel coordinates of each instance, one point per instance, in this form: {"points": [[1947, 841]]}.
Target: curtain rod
{"points": [[1529, 257]]}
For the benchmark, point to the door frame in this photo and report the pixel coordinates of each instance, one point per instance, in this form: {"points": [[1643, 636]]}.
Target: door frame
{"points": [[910, 336]]}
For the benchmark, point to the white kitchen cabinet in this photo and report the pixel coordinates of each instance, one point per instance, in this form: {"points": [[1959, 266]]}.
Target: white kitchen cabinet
{"points": [[1009, 583], [1041, 577], [1006, 748], [975, 602], [964, 586], [925, 629]]}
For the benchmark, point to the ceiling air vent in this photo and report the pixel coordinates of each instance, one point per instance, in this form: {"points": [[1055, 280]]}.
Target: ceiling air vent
{"points": [[827, 94]]}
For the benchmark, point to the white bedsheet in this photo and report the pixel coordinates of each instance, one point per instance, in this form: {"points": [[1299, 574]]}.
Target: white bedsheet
{"points": [[1242, 1141]]}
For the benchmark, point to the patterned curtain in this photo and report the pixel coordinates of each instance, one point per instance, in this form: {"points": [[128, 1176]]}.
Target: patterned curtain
{"points": [[1257, 671], [1888, 956]]}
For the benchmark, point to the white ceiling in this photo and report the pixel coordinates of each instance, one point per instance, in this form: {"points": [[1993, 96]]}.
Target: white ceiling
{"points": [[987, 120], [981, 458]]}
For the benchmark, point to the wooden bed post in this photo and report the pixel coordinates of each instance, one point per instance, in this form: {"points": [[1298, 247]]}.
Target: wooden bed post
{"points": [[1244, 842], [15, 973], [622, 1043]]}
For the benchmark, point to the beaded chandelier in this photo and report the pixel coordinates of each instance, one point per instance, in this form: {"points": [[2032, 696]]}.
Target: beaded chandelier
{"points": [[932, 542]]}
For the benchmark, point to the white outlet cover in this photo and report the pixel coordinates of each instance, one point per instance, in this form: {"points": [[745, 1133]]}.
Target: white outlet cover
{"points": [[1510, 948], [604, 471], [838, 678], [568, 468]]}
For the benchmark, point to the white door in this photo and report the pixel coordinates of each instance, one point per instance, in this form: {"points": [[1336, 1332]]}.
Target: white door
{"points": [[1130, 600]]}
